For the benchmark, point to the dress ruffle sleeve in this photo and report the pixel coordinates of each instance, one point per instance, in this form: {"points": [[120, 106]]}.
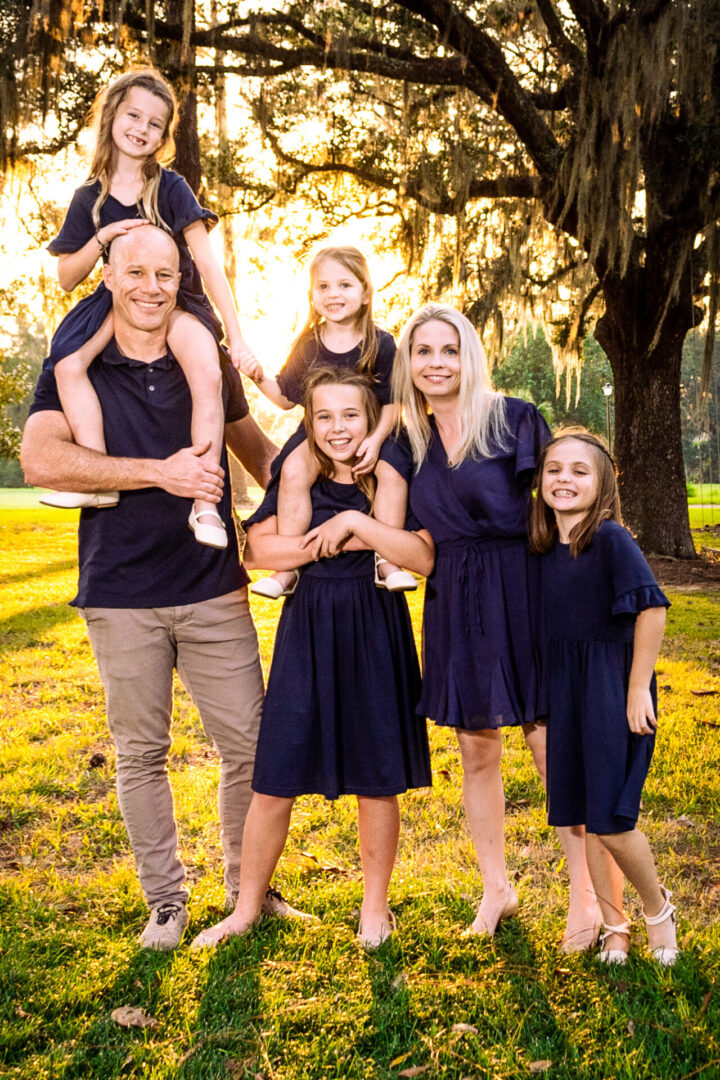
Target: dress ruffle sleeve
{"points": [[636, 600], [532, 434], [185, 207]]}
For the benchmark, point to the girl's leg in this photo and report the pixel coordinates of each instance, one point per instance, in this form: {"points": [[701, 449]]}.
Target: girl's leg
{"points": [[633, 855], [390, 507], [264, 837], [608, 880], [378, 833], [196, 352], [484, 801], [82, 411], [298, 474], [582, 927]]}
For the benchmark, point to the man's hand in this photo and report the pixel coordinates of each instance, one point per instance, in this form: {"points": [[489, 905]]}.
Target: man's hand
{"points": [[191, 475]]}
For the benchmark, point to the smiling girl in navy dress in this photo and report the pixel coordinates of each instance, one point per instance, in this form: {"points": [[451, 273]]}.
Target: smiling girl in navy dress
{"points": [[127, 188], [605, 617], [340, 332], [339, 715]]}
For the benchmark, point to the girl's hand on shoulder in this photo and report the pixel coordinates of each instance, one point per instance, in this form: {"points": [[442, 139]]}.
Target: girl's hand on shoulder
{"points": [[327, 540], [245, 360], [640, 712], [367, 456], [107, 233]]}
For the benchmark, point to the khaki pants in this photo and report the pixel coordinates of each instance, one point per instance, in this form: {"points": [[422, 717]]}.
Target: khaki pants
{"points": [[214, 647]]}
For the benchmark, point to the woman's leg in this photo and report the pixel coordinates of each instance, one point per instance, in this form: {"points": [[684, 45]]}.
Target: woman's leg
{"points": [[196, 352], [264, 837], [378, 834], [484, 801], [633, 855], [581, 929]]}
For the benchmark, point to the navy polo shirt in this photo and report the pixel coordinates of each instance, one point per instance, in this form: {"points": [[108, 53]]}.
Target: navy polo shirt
{"points": [[142, 552]]}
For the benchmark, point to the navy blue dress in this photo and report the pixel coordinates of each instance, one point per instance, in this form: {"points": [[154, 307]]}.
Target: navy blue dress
{"points": [[596, 765], [178, 208], [480, 667], [340, 711], [309, 353]]}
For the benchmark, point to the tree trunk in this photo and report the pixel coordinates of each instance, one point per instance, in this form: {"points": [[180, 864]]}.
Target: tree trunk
{"points": [[176, 60], [648, 441]]}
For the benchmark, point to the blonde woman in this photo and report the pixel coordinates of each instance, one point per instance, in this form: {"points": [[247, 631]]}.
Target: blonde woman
{"points": [[474, 452]]}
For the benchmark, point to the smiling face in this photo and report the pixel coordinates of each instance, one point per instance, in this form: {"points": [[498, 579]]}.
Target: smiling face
{"points": [[140, 124], [336, 294], [569, 482], [339, 422], [143, 276], [435, 360]]}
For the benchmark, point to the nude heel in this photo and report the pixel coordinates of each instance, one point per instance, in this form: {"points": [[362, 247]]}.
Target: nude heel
{"points": [[666, 955]]}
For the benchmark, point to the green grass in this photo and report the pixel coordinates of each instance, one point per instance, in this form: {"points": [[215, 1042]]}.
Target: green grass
{"points": [[704, 493], [291, 1003]]}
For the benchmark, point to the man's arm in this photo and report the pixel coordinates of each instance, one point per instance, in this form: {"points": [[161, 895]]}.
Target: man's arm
{"points": [[50, 458], [247, 441]]}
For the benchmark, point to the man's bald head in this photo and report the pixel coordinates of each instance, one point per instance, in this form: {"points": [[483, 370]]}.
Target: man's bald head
{"points": [[143, 275], [147, 239]]}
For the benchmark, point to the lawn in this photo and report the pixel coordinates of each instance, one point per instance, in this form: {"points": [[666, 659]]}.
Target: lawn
{"points": [[292, 1003]]}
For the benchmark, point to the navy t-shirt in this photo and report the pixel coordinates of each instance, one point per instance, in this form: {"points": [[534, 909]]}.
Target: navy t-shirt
{"points": [[309, 353], [142, 553]]}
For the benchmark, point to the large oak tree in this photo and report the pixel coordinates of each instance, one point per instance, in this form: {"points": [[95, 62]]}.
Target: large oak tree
{"points": [[594, 122]]}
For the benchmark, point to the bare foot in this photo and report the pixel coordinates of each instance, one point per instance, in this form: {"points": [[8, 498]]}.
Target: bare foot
{"points": [[494, 907], [232, 926], [582, 928], [375, 928]]}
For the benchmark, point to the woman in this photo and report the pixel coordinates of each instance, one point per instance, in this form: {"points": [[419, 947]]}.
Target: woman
{"points": [[474, 452]]}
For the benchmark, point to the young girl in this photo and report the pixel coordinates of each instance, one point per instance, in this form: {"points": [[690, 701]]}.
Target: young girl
{"points": [[605, 617], [340, 332], [127, 188], [339, 713]]}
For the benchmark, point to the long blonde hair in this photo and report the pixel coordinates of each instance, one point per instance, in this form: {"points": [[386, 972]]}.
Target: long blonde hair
{"points": [[103, 114], [354, 262], [333, 376], [481, 410]]}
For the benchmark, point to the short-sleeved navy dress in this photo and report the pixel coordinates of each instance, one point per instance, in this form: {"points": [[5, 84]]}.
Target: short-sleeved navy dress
{"points": [[310, 353], [480, 664], [340, 711], [596, 765], [178, 208]]}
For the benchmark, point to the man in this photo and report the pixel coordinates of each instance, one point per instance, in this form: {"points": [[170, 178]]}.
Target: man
{"points": [[152, 597]]}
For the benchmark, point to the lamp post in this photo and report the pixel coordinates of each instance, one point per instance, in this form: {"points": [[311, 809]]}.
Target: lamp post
{"points": [[607, 391]]}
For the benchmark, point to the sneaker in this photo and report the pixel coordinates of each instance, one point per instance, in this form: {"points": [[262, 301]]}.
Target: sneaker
{"points": [[275, 905], [165, 928]]}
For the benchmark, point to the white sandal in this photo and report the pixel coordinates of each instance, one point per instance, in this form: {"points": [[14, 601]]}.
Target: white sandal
{"points": [[207, 532], [80, 500], [272, 589], [666, 955], [387, 929], [396, 581], [613, 956]]}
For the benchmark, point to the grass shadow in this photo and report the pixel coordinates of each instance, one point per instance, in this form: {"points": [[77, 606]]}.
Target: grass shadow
{"points": [[31, 628]]}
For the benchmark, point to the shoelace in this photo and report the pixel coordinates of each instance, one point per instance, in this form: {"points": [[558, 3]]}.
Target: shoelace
{"points": [[166, 912]]}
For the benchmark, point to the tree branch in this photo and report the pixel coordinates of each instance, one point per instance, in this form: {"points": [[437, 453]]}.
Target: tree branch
{"points": [[485, 57], [565, 48]]}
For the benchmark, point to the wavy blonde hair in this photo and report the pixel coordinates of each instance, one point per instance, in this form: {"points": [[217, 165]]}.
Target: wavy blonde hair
{"points": [[103, 114], [355, 263], [481, 410]]}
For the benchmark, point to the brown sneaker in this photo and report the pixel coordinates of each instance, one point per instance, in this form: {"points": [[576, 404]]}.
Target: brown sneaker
{"points": [[165, 928]]}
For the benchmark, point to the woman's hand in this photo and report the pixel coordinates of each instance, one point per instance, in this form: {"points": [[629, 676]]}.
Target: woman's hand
{"points": [[640, 712], [329, 539], [367, 455]]}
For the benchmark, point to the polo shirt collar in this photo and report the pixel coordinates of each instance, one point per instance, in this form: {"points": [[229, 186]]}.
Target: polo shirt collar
{"points": [[112, 355]]}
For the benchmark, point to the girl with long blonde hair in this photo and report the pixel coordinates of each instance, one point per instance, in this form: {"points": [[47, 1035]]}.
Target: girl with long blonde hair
{"points": [[128, 187]]}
